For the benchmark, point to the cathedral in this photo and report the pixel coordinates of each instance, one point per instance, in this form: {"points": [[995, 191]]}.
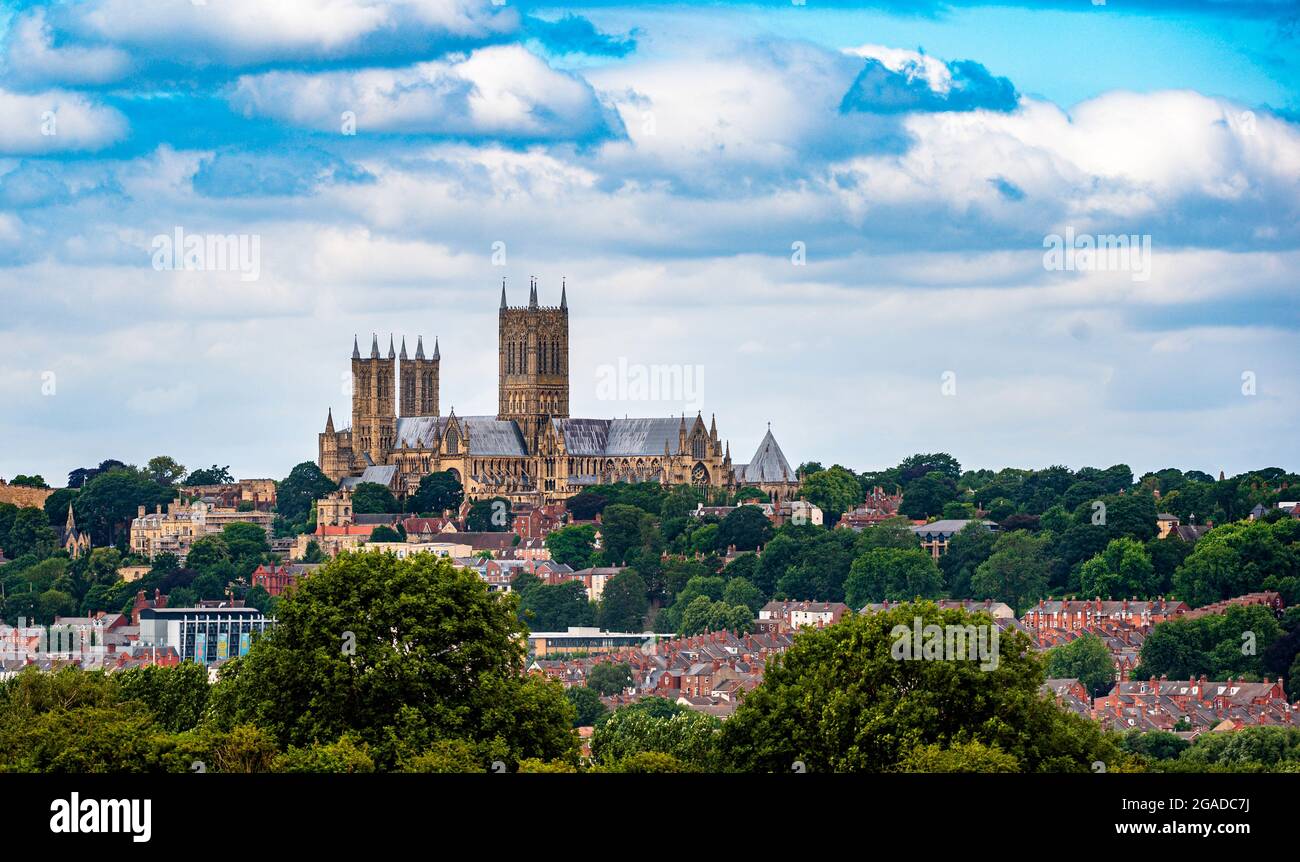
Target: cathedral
{"points": [[531, 450]]}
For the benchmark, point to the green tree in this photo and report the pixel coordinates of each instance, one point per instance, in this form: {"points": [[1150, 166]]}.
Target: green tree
{"points": [[623, 529], [608, 677], [966, 551], [959, 757], [573, 545], [372, 498], [385, 533], [491, 515], [214, 475], [403, 653], [587, 705], [554, 607], [295, 494], [438, 493], [927, 495], [834, 491], [745, 528], [891, 574], [840, 701], [111, 499], [690, 737], [623, 602], [1123, 570], [1016, 572], [165, 470], [1086, 659], [739, 591], [31, 533]]}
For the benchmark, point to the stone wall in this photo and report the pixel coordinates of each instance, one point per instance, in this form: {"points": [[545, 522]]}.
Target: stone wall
{"points": [[21, 497]]}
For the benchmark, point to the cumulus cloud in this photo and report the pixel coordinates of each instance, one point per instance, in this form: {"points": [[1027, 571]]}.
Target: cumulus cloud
{"points": [[573, 34], [254, 32], [56, 121], [502, 91], [30, 56], [894, 81]]}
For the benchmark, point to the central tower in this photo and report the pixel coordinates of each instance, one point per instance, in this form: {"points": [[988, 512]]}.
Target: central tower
{"points": [[533, 348]]}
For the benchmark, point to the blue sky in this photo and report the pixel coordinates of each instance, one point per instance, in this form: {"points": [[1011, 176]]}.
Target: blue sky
{"points": [[665, 159]]}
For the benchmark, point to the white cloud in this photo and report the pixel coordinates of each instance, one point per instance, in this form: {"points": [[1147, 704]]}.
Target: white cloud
{"points": [[243, 32], [30, 55], [501, 91], [56, 121]]}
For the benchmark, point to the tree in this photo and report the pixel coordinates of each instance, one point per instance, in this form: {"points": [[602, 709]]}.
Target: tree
{"points": [[1121, 571], [927, 495], [491, 515], [111, 499], [741, 592], [608, 678], [22, 481], [30, 533], [296, 493], [165, 470], [1016, 572], [372, 498], [692, 738], [916, 466], [177, 696], [207, 553], [966, 551], [623, 602], [586, 505], [1086, 659], [891, 574], [624, 528], [1214, 645], [834, 491], [1239, 558], [573, 545], [213, 475], [745, 528], [840, 701], [438, 493], [586, 704], [958, 757], [385, 533], [554, 607], [403, 653]]}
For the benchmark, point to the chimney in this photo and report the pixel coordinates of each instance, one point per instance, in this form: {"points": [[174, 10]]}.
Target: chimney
{"points": [[140, 512]]}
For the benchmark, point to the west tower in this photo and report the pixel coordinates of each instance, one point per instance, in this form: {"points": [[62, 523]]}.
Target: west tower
{"points": [[533, 362], [374, 414], [419, 381]]}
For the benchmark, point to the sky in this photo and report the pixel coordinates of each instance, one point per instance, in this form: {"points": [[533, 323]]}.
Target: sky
{"points": [[866, 224]]}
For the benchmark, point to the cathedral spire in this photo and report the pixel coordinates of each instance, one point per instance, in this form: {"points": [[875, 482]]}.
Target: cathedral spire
{"points": [[329, 421], [713, 428], [436, 353], [564, 297], [392, 354], [72, 522], [403, 353], [374, 345], [419, 347], [356, 351], [532, 294], [503, 293]]}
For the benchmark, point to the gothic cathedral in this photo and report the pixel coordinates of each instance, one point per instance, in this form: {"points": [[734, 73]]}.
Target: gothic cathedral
{"points": [[531, 451]]}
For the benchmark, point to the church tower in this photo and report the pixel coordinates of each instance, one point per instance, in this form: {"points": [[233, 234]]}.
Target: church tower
{"points": [[374, 413], [533, 362], [419, 380]]}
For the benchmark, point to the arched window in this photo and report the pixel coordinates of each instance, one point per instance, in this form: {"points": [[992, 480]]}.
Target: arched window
{"points": [[697, 448], [453, 442]]}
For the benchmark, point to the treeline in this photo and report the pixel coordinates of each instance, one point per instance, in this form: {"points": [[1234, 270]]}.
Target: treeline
{"points": [[380, 664]]}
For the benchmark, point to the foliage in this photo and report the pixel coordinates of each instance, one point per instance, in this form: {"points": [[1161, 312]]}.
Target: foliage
{"points": [[892, 574], [295, 494], [574, 545], [971, 756], [623, 602], [1086, 659], [438, 493], [609, 678], [839, 701], [690, 737]]}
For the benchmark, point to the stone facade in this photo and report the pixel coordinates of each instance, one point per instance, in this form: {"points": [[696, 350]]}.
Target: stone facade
{"points": [[24, 497], [531, 451]]}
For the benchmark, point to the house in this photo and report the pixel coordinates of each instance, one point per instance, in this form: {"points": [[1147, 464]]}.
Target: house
{"points": [[1069, 693], [875, 509], [275, 579], [936, 535], [798, 614]]}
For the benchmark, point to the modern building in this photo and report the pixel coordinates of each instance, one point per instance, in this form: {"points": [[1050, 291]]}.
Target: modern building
{"points": [[584, 639], [203, 635]]}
